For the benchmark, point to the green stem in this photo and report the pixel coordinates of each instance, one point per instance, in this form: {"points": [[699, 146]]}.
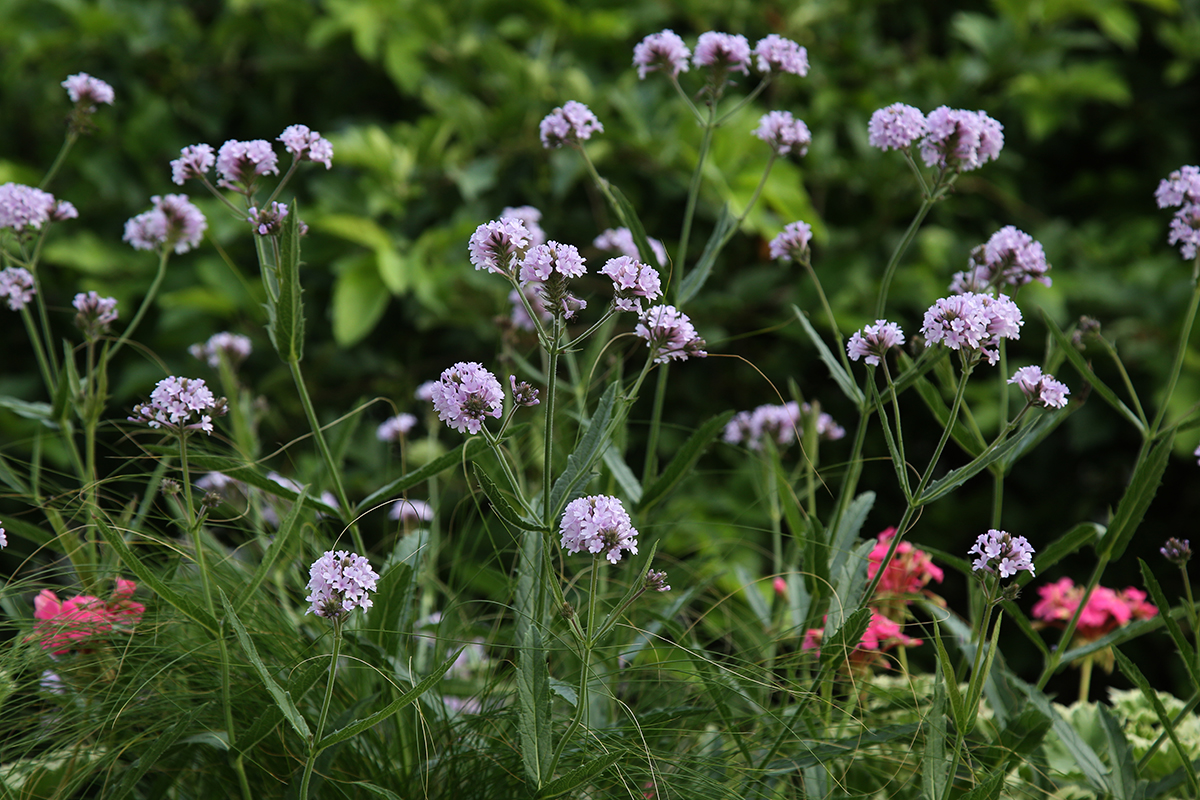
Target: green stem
{"points": [[581, 700], [1085, 678], [68, 142], [1064, 641], [147, 301], [311, 761], [1185, 335], [660, 391], [890, 271], [689, 211]]}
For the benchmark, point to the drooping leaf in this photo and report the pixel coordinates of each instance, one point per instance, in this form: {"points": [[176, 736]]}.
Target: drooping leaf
{"points": [[840, 376], [684, 459], [579, 464], [694, 281], [1147, 475]]}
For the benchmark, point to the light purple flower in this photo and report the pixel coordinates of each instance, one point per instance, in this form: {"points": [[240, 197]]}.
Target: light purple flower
{"points": [[961, 140], [307, 145], [997, 551], [1180, 187], [552, 257], [663, 50], [972, 322], [784, 133], [338, 583], [180, 404], [792, 242], [268, 221], [16, 284], [1177, 551], [573, 122], [777, 54], [95, 313], [498, 246], [523, 393], [194, 161], [3, 537], [621, 240], [633, 281], [1015, 257], [172, 223], [1196, 453], [896, 127], [1040, 389], [670, 335], [240, 163], [393, 429], [779, 424], [86, 91], [520, 316], [1185, 230], [465, 394], [233, 346], [411, 511], [723, 51], [24, 207], [424, 392], [598, 524], [874, 341], [656, 581], [531, 218]]}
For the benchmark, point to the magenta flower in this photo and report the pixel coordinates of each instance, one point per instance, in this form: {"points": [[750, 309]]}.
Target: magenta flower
{"points": [[86, 91], [777, 54], [180, 404], [784, 133], [530, 217], [1105, 610], [1185, 230], [16, 284], [973, 322], [25, 208], [465, 394], [95, 313], [173, 223], [498, 246], [909, 571], [523, 393], [393, 429], [621, 240], [670, 335], [240, 163], [882, 634], [723, 51], [572, 123], [633, 281], [235, 347], [896, 127], [338, 583], [961, 140], [72, 624], [307, 145], [194, 161], [661, 51], [1040, 389], [873, 342], [792, 242], [598, 524], [998, 551], [542, 261]]}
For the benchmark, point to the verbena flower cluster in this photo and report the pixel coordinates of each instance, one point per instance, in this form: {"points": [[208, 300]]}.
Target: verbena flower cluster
{"points": [[621, 240], [784, 133], [571, 123], [267, 221], [544, 260], [523, 393], [94, 314], [779, 424], [241, 163], [393, 429], [872, 342], [180, 404], [792, 243], [1040, 389], [307, 145], [598, 524], [17, 286], [498, 246], [669, 334], [75, 624], [661, 51], [1010, 257], [998, 551], [1182, 189], [1177, 551], [338, 583], [173, 223], [948, 138], [24, 208], [465, 394], [531, 218], [633, 282], [415, 511], [234, 346], [86, 91], [973, 322], [1104, 611]]}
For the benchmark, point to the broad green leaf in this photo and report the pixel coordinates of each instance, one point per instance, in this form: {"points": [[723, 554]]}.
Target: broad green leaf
{"points": [[988, 789], [459, 455], [249, 474], [1147, 475], [279, 544], [1089, 763], [811, 752], [1124, 772], [42, 412], [359, 299], [754, 597], [848, 528], [580, 775], [950, 681], [533, 707], [935, 767], [836, 370], [1076, 358], [684, 459], [1186, 651], [579, 464], [837, 648], [722, 233], [1023, 734], [622, 474], [1130, 670], [282, 698]]}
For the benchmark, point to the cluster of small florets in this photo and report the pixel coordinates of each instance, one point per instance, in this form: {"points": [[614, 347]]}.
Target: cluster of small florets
{"points": [[393, 429], [74, 624], [661, 51], [307, 145], [24, 208], [465, 394], [784, 133], [94, 313], [338, 583], [779, 424], [86, 91], [598, 524], [621, 240], [1040, 389], [882, 634], [1010, 257], [571, 123], [973, 322], [998, 551], [173, 223], [792, 243], [17, 286], [908, 573], [669, 334], [531, 218], [1105, 610], [523, 393], [656, 581], [411, 511], [1182, 188], [872, 342], [633, 282], [949, 138], [498, 246], [722, 51], [544, 260], [234, 346], [1177, 551], [268, 221], [180, 404], [239, 164]]}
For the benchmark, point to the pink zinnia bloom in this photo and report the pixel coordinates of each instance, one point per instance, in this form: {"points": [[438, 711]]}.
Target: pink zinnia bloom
{"points": [[1105, 611]]}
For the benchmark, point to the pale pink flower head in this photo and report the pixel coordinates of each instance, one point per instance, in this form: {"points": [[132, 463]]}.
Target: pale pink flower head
{"points": [[723, 51], [498, 246], [85, 91], [3, 537], [1105, 611], [1181, 187], [999, 551], [173, 223], [531, 218], [598, 524], [194, 161], [240, 163], [465, 395], [621, 240], [1185, 230], [777, 54], [792, 243], [669, 334], [780, 424], [874, 341], [74, 624], [544, 260], [234, 346], [961, 140], [17, 286], [784, 133], [268, 221], [94, 313], [896, 127], [25, 209], [307, 145], [180, 404], [633, 281], [425, 391], [972, 322], [571, 123], [411, 511], [661, 51], [1010, 257], [1040, 389], [909, 571], [338, 583], [393, 429]]}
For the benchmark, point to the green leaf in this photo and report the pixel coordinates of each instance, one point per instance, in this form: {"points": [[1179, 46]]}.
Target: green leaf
{"points": [[848, 529], [249, 474], [1147, 475], [1130, 670], [391, 490], [1023, 735], [147, 758], [359, 299], [1186, 652], [836, 649], [836, 370], [935, 767], [285, 311], [499, 501], [810, 752], [1089, 763], [378, 791], [958, 711], [580, 775], [579, 464], [282, 540], [533, 707], [1076, 358], [963, 436], [302, 680], [623, 475], [1085, 533], [988, 789], [184, 605], [409, 697], [1123, 779], [722, 233], [684, 459], [42, 412], [629, 218], [282, 698]]}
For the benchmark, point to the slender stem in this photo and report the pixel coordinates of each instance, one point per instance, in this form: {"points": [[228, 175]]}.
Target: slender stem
{"points": [[890, 271], [581, 699], [68, 142], [147, 301], [40, 352], [1185, 335], [548, 446], [1064, 641], [311, 761], [651, 464], [1085, 678], [689, 211]]}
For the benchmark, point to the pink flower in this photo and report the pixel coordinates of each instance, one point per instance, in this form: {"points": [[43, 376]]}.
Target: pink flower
{"points": [[573, 122], [896, 127], [784, 133], [723, 51], [173, 223], [882, 634], [598, 524], [792, 242], [669, 334], [874, 341], [777, 54], [498, 246], [909, 571], [1041, 389], [621, 240], [69, 625], [194, 161], [1105, 611], [632, 282], [307, 145], [663, 50], [86, 91], [961, 140], [465, 395], [240, 163]]}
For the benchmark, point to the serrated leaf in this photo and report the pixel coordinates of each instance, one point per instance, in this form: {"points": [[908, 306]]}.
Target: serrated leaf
{"points": [[1076, 358], [836, 370], [935, 767], [1186, 652], [501, 507], [284, 309], [694, 281], [533, 707], [836, 648], [848, 529], [684, 459], [580, 775], [579, 464]]}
